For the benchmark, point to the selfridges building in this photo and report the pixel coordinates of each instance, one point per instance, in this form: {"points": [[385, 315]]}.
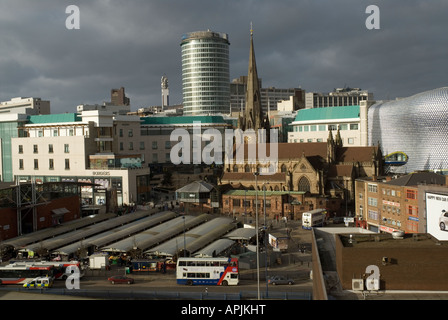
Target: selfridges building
{"points": [[413, 131]]}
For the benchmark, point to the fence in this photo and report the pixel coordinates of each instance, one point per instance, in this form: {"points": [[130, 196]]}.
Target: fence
{"points": [[162, 295]]}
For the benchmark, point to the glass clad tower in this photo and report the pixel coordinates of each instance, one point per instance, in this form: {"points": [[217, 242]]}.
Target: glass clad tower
{"points": [[205, 73]]}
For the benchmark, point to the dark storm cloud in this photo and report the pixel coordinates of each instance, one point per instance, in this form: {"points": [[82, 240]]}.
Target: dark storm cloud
{"points": [[319, 45]]}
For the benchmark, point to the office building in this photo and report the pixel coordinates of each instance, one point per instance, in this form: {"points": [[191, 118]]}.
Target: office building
{"points": [[270, 97], [205, 73], [348, 123], [81, 148], [25, 105], [388, 205], [338, 97]]}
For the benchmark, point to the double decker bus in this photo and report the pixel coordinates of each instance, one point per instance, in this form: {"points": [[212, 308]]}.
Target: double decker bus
{"points": [[24, 273], [207, 271], [314, 218], [62, 269]]}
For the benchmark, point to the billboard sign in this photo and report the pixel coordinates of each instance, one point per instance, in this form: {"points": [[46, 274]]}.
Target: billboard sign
{"points": [[437, 215]]}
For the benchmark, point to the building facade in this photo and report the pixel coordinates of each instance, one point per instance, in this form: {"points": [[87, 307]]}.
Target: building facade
{"points": [[388, 205], [415, 126], [270, 97], [25, 105], [314, 125], [205, 73], [79, 148], [338, 97]]}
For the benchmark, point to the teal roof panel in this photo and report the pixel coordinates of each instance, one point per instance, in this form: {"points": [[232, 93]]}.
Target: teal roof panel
{"points": [[328, 113]]}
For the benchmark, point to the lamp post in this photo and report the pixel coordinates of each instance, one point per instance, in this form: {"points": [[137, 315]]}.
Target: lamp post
{"points": [[185, 243], [256, 173], [265, 239]]}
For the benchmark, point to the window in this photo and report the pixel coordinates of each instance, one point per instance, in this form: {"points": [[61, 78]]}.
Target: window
{"points": [[372, 201], [35, 148], [66, 148], [21, 164], [67, 164], [121, 146], [354, 126], [36, 164], [322, 127], [20, 148], [236, 202], [343, 126], [304, 184], [411, 194], [167, 144], [154, 144], [332, 127], [351, 141], [130, 133], [131, 146], [50, 164], [313, 128], [55, 132], [372, 188], [50, 148], [40, 133], [70, 132], [121, 133], [142, 145]]}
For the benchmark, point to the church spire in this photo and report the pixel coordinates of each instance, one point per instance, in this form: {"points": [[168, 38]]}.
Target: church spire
{"points": [[253, 113]]}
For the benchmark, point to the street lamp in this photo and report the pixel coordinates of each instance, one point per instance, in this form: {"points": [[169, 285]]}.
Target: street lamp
{"points": [[185, 243], [256, 173], [265, 239]]}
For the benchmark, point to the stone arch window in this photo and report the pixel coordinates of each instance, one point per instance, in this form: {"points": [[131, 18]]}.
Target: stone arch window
{"points": [[283, 168], [304, 184], [235, 168], [246, 168]]}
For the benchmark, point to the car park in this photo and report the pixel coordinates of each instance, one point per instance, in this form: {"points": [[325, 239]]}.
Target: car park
{"points": [[280, 280], [120, 279]]}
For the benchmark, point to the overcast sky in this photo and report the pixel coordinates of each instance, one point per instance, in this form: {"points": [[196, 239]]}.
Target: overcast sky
{"points": [[318, 45]]}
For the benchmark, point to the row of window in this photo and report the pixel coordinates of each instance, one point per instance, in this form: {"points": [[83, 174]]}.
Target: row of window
{"points": [[50, 164], [349, 140], [142, 145], [325, 127], [50, 148]]}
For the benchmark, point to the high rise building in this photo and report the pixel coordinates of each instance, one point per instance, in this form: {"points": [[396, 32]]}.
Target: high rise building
{"points": [[205, 73]]}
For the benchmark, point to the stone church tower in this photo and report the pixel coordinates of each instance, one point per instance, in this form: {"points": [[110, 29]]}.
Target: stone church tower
{"points": [[253, 115]]}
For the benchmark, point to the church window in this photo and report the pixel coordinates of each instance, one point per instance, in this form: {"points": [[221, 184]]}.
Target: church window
{"points": [[304, 184]]}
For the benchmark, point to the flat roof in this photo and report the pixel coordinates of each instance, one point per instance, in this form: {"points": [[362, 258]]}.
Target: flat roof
{"points": [[385, 240]]}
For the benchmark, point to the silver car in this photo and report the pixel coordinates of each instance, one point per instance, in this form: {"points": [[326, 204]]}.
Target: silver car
{"points": [[280, 280], [443, 221]]}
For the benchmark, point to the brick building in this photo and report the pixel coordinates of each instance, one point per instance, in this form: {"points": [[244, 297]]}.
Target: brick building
{"points": [[386, 204], [278, 203]]}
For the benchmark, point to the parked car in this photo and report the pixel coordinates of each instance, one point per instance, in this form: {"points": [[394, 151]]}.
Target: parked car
{"points": [[443, 221], [120, 279], [280, 280]]}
